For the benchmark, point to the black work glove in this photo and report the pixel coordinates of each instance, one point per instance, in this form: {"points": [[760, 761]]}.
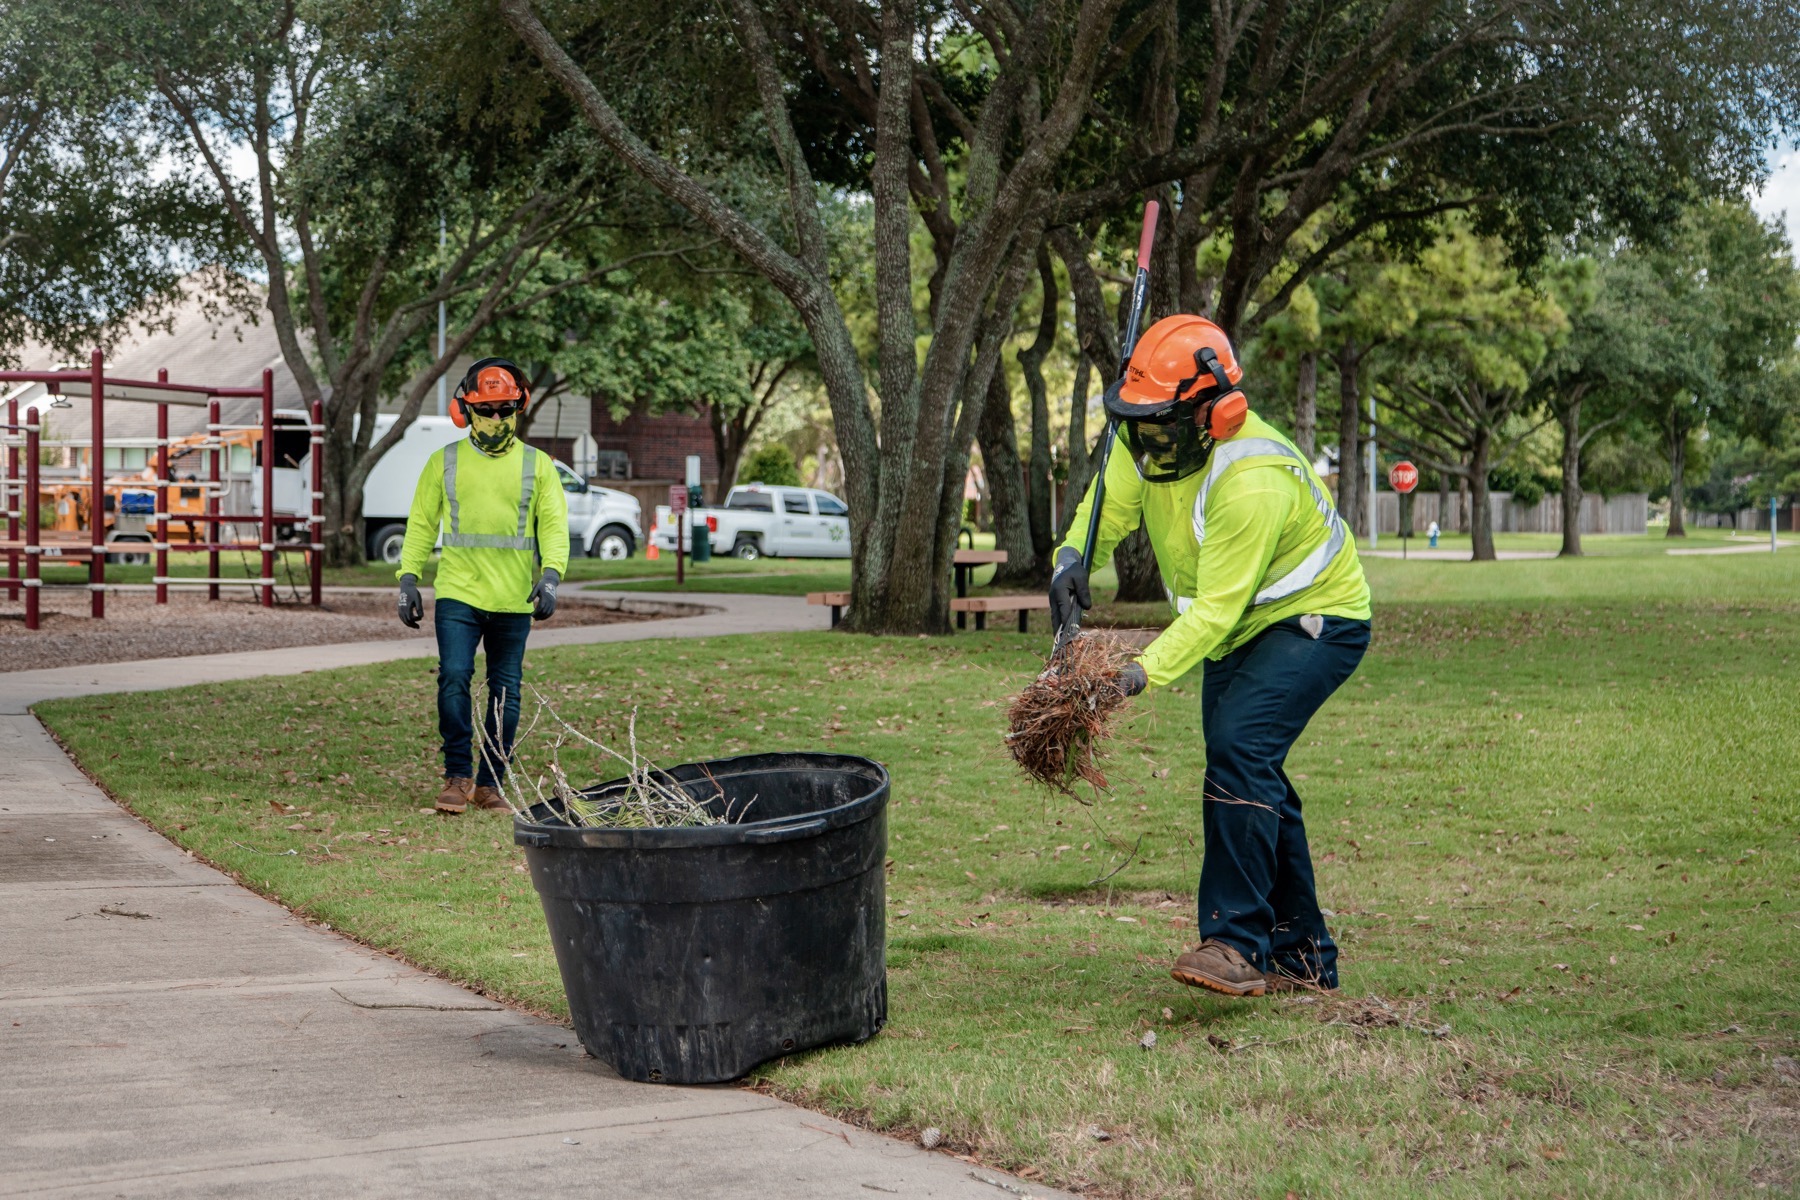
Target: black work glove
{"points": [[1069, 596], [1132, 678], [412, 605], [543, 595]]}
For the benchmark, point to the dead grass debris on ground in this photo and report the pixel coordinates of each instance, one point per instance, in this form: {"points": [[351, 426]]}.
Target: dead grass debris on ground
{"points": [[135, 627]]}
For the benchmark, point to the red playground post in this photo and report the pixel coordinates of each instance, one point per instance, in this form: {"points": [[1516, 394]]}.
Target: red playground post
{"points": [[14, 500], [212, 498], [32, 580], [268, 488], [315, 528], [97, 476], [162, 497]]}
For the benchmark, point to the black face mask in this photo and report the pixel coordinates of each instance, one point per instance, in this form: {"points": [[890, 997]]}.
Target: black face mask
{"points": [[1166, 442]]}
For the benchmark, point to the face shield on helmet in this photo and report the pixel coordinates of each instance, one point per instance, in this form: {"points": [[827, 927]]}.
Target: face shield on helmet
{"points": [[1177, 398], [1166, 442]]}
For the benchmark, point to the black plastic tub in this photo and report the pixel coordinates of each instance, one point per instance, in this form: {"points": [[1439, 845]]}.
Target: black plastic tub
{"points": [[690, 955]]}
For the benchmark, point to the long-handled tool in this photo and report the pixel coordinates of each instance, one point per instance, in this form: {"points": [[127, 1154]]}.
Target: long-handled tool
{"points": [[1140, 297]]}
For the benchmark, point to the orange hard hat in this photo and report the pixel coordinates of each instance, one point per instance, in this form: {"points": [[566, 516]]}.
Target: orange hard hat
{"points": [[494, 384], [1170, 362], [490, 381]]}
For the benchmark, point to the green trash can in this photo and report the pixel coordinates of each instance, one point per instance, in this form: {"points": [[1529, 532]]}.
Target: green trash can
{"points": [[700, 547]]}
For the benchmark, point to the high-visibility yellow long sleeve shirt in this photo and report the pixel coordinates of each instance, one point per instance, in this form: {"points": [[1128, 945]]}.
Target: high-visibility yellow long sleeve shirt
{"points": [[499, 517], [1250, 540]]}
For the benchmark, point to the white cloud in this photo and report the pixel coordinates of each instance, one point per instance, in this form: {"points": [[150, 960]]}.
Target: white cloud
{"points": [[1781, 194]]}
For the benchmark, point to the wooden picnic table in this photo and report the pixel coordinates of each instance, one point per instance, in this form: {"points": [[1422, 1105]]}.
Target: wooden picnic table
{"points": [[963, 563]]}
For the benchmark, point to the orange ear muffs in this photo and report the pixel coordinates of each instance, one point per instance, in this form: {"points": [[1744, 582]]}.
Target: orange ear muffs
{"points": [[459, 416], [1226, 415]]}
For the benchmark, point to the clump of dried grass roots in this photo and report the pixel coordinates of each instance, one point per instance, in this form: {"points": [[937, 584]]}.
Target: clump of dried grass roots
{"points": [[649, 799], [1060, 722]]}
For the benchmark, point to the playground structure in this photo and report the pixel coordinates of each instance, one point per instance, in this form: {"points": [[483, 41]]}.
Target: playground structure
{"points": [[79, 526]]}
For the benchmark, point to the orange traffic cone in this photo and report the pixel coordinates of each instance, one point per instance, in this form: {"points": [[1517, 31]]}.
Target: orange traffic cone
{"points": [[651, 553]]}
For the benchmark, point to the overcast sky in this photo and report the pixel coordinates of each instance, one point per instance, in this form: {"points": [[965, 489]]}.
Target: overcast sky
{"points": [[1782, 192]]}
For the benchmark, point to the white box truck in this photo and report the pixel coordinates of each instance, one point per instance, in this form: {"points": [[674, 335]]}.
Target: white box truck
{"points": [[603, 523]]}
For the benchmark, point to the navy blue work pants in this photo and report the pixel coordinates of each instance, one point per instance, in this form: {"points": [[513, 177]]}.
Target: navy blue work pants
{"points": [[460, 628], [1256, 881]]}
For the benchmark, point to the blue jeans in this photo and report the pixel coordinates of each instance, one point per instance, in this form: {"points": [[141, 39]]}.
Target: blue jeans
{"points": [[460, 627], [1256, 880]]}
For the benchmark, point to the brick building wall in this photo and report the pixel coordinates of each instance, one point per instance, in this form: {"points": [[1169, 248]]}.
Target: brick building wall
{"points": [[658, 445], [561, 449]]}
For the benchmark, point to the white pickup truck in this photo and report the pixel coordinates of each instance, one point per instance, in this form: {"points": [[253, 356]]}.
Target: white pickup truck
{"points": [[603, 523], [756, 519]]}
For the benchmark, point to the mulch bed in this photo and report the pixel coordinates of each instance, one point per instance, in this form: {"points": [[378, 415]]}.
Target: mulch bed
{"points": [[135, 627]]}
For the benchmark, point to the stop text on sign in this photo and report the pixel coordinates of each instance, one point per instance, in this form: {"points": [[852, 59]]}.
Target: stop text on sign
{"points": [[1403, 477]]}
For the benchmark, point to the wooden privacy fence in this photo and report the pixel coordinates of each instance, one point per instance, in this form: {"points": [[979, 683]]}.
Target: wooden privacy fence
{"points": [[1628, 513]]}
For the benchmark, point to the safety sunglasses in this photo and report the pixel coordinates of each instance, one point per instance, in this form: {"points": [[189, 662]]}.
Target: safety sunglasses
{"points": [[503, 408]]}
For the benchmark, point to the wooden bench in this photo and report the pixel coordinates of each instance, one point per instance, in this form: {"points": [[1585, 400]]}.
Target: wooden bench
{"points": [[963, 563], [981, 606], [837, 600]]}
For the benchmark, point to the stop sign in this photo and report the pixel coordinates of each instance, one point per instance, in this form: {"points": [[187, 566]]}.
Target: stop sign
{"points": [[1403, 477]]}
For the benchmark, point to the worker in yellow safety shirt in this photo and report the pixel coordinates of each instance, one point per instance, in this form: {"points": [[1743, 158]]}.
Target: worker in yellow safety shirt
{"points": [[502, 512], [1268, 592]]}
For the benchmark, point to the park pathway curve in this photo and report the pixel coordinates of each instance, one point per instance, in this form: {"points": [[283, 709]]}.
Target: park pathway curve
{"points": [[165, 1032]]}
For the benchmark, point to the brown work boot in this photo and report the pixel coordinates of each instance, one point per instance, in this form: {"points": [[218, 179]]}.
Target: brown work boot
{"points": [[490, 799], [455, 796], [1219, 968]]}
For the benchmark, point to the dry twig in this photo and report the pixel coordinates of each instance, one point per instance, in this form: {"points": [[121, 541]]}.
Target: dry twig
{"points": [[648, 799]]}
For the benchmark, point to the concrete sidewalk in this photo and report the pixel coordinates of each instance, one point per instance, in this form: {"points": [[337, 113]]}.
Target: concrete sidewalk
{"points": [[1431, 555], [167, 1033]]}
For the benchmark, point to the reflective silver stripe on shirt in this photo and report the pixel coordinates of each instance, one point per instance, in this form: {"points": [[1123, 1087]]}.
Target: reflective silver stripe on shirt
{"points": [[450, 482], [1308, 570], [527, 480], [489, 541]]}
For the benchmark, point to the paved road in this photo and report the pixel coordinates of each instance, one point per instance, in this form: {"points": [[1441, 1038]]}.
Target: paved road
{"points": [[1452, 555], [1761, 547], [167, 1033]]}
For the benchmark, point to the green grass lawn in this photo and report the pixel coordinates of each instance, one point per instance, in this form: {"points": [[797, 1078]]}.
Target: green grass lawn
{"points": [[797, 576], [1555, 817]]}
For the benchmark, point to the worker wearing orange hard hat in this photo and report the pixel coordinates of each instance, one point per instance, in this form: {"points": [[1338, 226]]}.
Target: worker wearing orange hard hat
{"points": [[502, 513], [1269, 594]]}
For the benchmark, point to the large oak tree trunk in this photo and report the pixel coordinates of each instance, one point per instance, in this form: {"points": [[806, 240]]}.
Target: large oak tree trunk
{"points": [[343, 532], [1306, 404], [1677, 482], [729, 439], [1350, 499], [1139, 578], [1039, 478], [1481, 523], [1079, 460], [1006, 484], [1570, 417]]}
